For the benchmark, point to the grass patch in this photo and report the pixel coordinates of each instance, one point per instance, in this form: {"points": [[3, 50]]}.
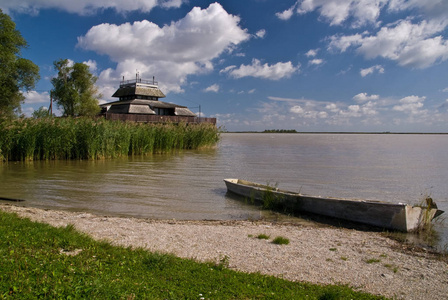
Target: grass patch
{"points": [[33, 266], [372, 261], [391, 267], [263, 236], [280, 241], [333, 249]]}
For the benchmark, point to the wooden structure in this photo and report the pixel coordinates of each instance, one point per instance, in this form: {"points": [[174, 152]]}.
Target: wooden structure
{"points": [[401, 216], [139, 102]]}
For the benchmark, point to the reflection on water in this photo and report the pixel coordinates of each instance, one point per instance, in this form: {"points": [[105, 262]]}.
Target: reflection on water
{"points": [[188, 185]]}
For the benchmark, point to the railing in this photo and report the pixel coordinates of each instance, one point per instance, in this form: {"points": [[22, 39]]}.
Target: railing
{"points": [[158, 118], [139, 80]]}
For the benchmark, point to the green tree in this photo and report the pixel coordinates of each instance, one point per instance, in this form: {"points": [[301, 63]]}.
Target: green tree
{"points": [[42, 112], [74, 89], [17, 74]]}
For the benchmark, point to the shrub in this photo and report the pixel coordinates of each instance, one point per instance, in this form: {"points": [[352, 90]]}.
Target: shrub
{"points": [[281, 241]]}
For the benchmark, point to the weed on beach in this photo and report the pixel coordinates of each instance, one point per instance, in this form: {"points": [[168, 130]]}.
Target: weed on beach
{"points": [[281, 241], [35, 264], [263, 236]]}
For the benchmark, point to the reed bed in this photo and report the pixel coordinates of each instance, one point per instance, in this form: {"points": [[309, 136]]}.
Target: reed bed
{"points": [[86, 138]]}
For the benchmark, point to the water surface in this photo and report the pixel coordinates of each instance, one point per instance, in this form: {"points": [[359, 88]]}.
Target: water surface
{"points": [[189, 185]]}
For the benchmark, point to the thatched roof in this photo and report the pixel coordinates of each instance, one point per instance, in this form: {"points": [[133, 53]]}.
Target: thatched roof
{"points": [[139, 106], [183, 111], [141, 90]]}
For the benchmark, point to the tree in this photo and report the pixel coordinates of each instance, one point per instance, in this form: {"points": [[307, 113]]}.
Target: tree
{"points": [[17, 74], [42, 112], [74, 89]]}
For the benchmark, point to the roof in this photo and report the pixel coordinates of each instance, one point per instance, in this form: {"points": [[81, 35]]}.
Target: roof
{"points": [[139, 106], [152, 103], [139, 89], [183, 111]]}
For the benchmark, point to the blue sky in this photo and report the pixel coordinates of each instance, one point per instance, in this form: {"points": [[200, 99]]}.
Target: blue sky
{"points": [[309, 65]]}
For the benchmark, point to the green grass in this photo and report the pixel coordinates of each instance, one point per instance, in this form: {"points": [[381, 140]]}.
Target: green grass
{"points": [[86, 138], [280, 240], [263, 236], [34, 263], [373, 261]]}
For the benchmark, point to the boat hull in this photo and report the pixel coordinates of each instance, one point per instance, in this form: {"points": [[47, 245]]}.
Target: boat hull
{"points": [[401, 217]]}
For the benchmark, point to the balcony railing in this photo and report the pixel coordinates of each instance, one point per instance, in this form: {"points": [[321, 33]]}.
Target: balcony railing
{"points": [[139, 80]]}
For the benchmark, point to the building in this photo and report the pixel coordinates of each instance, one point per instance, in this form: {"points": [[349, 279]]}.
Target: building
{"points": [[139, 102]]}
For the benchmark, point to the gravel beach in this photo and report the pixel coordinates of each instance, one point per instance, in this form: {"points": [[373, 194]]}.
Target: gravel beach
{"points": [[366, 261]]}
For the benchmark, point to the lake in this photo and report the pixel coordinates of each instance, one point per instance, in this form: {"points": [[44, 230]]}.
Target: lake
{"points": [[189, 184]]}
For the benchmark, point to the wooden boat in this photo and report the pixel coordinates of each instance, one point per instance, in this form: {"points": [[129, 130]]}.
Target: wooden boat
{"points": [[402, 217]]}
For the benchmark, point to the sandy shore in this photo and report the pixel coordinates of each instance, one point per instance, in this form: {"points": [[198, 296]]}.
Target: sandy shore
{"points": [[365, 261]]}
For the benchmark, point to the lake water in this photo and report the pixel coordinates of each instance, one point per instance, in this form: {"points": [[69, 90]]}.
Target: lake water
{"points": [[189, 185]]}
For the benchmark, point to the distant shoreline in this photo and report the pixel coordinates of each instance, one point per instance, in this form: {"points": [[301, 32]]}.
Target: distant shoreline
{"points": [[343, 132]]}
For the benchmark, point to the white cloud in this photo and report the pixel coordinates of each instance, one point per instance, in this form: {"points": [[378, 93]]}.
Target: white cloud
{"points": [[364, 12], [213, 88], [85, 7], [336, 12], [316, 61], [92, 65], [260, 33], [171, 3], [33, 97], [297, 109], [445, 90], [367, 71], [410, 104], [431, 8], [256, 69], [312, 53], [410, 45], [364, 97], [365, 112], [171, 52], [342, 43], [286, 14]]}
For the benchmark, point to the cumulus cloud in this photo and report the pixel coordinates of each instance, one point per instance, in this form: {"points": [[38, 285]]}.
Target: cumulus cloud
{"points": [[92, 65], [171, 52], [33, 97], [85, 7], [367, 71], [364, 12], [431, 8], [312, 53], [336, 113], [338, 11], [256, 69], [213, 88], [316, 61], [410, 104], [260, 33], [371, 112], [364, 97], [286, 14], [410, 45]]}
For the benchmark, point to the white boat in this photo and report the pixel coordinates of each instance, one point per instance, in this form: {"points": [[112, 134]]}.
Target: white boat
{"points": [[402, 217]]}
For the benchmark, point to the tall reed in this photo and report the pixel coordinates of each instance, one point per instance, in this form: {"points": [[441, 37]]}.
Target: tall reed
{"points": [[86, 138]]}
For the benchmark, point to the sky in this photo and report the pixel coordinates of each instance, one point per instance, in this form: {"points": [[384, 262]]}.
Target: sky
{"points": [[308, 65]]}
